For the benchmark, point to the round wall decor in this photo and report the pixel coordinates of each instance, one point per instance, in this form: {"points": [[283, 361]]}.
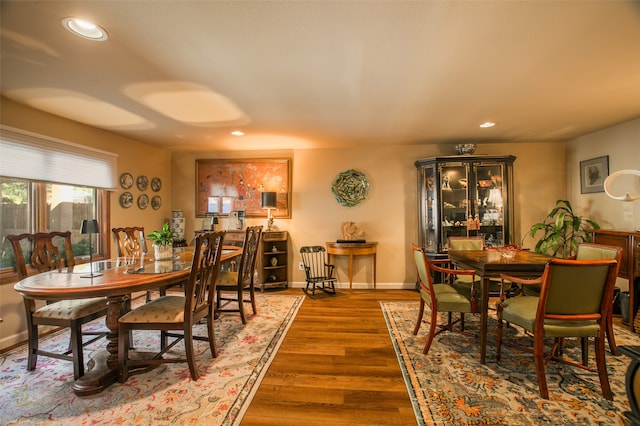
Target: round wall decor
{"points": [[156, 184], [143, 201], [156, 202], [142, 182], [126, 200], [126, 180], [350, 187]]}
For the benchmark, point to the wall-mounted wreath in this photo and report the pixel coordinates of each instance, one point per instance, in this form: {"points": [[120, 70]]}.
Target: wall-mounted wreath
{"points": [[350, 187]]}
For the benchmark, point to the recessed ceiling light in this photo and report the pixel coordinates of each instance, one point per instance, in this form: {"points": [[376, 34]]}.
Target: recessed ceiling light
{"points": [[237, 133], [84, 28], [487, 124]]}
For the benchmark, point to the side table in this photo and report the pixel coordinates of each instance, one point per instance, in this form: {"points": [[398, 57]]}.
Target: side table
{"points": [[353, 249]]}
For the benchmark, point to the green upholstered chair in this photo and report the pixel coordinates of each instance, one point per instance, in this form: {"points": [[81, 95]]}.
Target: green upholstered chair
{"points": [[232, 285], [442, 296], [574, 301], [175, 315]]}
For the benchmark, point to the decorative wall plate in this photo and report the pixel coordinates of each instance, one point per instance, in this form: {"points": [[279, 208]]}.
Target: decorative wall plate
{"points": [[142, 183], [143, 201], [126, 200], [126, 180], [350, 187], [156, 202], [156, 184]]}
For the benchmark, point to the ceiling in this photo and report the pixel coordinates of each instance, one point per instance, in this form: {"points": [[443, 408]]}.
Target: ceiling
{"points": [[316, 74]]}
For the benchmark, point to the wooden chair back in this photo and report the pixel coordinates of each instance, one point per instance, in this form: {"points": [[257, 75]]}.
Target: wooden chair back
{"points": [[41, 252], [314, 259], [247, 265], [130, 241], [200, 288]]}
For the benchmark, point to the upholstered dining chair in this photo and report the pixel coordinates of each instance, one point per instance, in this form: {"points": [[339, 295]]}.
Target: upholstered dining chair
{"points": [[463, 282], [588, 251], [232, 285], [175, 315], [441, 296], [40, 253], [575, 299], [317, 271]]}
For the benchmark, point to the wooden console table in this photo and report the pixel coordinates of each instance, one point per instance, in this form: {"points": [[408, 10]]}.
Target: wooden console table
{"points": [[353, 249], [630, 264]]}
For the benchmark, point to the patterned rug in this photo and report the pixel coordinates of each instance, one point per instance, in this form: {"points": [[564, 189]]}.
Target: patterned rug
{"points": [[166, 395], [450, 386]]}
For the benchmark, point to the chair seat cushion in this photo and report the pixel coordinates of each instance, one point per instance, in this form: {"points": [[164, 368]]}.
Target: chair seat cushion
{"points": [[450, 300], [227, 279], [522, 311], [71, 309], [165, 309]]}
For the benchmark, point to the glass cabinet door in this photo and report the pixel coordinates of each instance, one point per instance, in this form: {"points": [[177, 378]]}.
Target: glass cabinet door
{"points": [[491, 201], [429, 214], [454, 195]]}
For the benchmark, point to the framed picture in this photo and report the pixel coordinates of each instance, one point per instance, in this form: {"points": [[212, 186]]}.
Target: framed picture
{"points": [[223, 186], [593, 173]]}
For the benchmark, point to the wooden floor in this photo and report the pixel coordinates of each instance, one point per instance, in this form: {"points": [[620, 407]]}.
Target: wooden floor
{"points": [[336, 366]]}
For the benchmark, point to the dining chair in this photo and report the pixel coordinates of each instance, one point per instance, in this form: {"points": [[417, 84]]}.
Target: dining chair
{"points": [[574, 301], [232, 285], [589, 251], [442, 296], [130, 242], [37, 253], [317, 271], [175, 315], [463, 282]]}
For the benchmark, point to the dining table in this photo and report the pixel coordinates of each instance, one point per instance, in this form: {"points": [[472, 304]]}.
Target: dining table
{"points": [[116, 280], [490, 264]]}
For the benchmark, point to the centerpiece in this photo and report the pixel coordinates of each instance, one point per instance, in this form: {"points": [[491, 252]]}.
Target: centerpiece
{"points": [[162, 243]]}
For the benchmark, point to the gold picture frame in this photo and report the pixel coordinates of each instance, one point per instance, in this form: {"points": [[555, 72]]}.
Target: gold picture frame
{"points": [[225, 185]]}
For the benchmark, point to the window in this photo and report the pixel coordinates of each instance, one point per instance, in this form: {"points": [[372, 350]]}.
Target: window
{"points": [[29, 206], [52, 185]]}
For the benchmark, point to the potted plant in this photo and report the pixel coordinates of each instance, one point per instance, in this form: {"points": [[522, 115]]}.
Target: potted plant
{"points": [[563, 231], [162, 242]]}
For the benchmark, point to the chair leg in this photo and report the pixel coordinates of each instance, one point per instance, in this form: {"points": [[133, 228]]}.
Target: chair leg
{"points": [[432, 331], [212, 332], [601, 362], [252, 295], [241, 306], [191, 357], [499, 338], [610, 336], [123, 354], [420, 314], [462, 321], [76, 350], [538, 354], [584, 343]]}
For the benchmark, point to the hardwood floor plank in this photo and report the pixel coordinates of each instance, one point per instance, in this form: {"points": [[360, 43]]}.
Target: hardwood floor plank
{"points": [[336, 366]]}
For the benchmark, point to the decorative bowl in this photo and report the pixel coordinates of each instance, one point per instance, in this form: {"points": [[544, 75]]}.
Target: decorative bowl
{"points": [[508, 252], [466, 148]]}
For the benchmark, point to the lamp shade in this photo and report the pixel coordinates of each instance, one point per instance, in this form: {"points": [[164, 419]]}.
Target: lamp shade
{"points": [[269, 200], [89, 226]]}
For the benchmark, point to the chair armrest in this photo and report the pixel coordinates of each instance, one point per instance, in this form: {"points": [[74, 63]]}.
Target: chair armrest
{"points": [[518, 280]]}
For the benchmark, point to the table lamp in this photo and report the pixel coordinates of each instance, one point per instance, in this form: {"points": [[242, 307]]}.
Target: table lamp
{"points": [[269, 201], [90, 226]]}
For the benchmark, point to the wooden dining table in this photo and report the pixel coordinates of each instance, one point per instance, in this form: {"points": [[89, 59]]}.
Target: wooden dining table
{"points": [[117, 280], [490, 264]]}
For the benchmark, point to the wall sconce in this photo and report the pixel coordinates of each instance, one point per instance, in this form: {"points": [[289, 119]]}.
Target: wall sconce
{"points": [[269, 201], [90, 227]]}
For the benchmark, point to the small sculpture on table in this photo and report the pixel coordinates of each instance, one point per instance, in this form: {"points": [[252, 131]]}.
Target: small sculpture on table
{"points": [[351, 231]]}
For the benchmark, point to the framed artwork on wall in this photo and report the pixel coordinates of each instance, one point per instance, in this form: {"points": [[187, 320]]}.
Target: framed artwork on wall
{"points": [[223, 186], [593, 173]]}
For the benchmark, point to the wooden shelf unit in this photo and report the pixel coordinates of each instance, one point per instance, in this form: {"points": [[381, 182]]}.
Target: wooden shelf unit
{"points": [[272, 263]]}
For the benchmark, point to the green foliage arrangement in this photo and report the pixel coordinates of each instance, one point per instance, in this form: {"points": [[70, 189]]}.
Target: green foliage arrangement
{"points": [[162, 238], [563, 231]]}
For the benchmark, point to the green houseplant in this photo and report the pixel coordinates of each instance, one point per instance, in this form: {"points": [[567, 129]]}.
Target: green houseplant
{"points": [[162, 242], [563, 231]]}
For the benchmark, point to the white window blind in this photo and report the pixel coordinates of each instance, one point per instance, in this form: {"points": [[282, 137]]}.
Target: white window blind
{"points": [[31, 156]]}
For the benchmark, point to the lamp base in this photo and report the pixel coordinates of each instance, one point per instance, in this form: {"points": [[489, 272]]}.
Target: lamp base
{"points": [[90, 275]]}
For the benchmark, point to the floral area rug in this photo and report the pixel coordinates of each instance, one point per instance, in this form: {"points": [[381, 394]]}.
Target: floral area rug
{"points": [[449, 386], [163, 396]]}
